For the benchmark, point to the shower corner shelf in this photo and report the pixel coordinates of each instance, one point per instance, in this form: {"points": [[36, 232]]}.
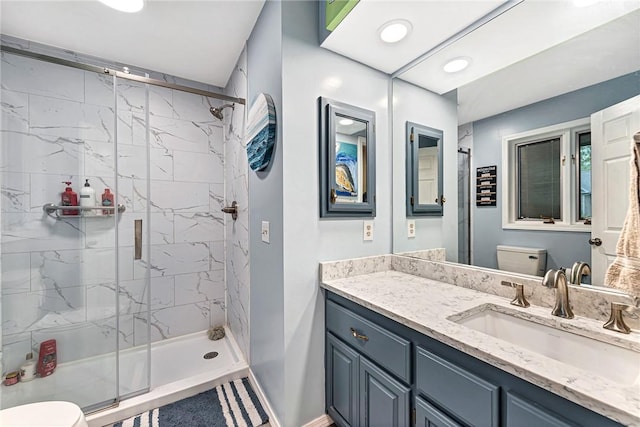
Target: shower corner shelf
{"points": [[51, 209]]}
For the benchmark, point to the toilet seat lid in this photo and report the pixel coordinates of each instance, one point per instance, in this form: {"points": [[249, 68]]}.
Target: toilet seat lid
{"points": [[40, 414]]}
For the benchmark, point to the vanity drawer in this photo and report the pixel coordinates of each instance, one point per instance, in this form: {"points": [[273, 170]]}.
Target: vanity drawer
{"points": [[465, 395], [389, 350]]}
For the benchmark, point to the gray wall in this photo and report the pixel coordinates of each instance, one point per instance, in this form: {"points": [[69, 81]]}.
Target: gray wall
{"points": [[264, 66], [309, 72], [564, 248], [414, 104]]}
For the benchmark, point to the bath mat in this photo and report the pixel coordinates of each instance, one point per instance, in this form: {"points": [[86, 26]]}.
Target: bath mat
{"points": [[233, 404]]}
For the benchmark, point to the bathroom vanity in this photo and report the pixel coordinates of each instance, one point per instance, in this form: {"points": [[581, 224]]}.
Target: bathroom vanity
{"points": [[402, 349]]}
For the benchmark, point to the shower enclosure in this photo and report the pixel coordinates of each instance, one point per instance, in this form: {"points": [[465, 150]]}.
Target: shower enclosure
{"points": [[104, 283], [464, 206]]}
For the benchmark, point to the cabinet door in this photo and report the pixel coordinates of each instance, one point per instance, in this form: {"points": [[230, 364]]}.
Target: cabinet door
{"points": [[342, 382], [428, 416], [523, 413], [384, 401], [460, 392]]}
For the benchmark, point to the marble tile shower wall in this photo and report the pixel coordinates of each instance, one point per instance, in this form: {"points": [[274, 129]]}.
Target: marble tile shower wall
{"points": [[237, 188], [58, 276]]}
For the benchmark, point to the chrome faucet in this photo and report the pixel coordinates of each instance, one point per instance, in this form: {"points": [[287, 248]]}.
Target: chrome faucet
{"points": [[557, 279], [578, 270]]}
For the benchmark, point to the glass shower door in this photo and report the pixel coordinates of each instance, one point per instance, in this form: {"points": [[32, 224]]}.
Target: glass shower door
{"points": [[59, 266], [132, 103]]}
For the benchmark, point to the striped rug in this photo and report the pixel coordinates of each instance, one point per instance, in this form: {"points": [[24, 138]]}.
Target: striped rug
{"points": [[233, 404]]}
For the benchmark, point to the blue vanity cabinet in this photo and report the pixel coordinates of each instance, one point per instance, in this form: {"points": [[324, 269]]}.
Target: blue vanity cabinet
{"points": [[367, 371], [343, 370], [471, 398], [382, 373], [384, 401], [524, 413], [428, 415]]}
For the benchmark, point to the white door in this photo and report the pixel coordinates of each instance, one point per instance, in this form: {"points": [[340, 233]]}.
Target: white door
{"points": [[612, 132], [428, 175]]}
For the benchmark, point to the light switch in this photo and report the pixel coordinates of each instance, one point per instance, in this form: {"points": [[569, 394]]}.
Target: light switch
{"points": [[265, 231], [367, 230], [411, 228]]}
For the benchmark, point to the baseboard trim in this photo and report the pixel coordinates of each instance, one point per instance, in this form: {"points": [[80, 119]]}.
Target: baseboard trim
{"points": [[322, 421], [273, 420]]}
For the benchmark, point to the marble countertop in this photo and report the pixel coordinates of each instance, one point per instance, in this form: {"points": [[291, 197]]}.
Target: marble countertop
{"points": [[427, 306]]}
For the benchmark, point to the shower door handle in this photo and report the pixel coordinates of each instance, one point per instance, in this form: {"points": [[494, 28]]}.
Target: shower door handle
{"points": [[137, 226]]}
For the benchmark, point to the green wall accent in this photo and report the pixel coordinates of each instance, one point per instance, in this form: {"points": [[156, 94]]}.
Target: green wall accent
{"points": [[336, 11]]}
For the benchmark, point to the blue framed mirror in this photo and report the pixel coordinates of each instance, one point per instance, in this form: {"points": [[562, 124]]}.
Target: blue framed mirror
{"points": [[424, 170], [347, 160]]}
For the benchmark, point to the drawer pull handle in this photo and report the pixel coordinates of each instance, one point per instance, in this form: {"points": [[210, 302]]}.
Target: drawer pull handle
{"points": [[358, 336]]}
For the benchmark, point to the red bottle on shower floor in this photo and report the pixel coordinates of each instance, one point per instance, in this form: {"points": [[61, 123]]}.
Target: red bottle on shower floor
{"points": [[47, 359]]}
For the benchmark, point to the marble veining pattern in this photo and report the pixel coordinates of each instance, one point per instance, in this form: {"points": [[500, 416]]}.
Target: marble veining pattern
{"points": [[237, 232], [584, 301], [426, 305], [354, 267], [58, 277], [438, 254]]}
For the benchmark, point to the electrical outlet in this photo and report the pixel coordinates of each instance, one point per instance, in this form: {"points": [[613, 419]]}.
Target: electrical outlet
{"points": [[367, 230], [265, 231], [411, 228]]}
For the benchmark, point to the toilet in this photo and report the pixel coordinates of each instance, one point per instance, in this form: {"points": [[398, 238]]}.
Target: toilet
{"points": [[44, 414], [517, 259]]}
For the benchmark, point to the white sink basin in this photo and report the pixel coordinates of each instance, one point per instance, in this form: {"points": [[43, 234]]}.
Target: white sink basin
{"points": [[601, 358]]}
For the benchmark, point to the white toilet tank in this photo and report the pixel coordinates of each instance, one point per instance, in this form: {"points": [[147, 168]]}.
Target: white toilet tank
{"points": [[517, 259]]}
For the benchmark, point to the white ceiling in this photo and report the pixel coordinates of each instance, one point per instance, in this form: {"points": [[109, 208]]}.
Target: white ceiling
{"points": [[606, 52], [501, 76], [197, 40], [433, 22]]}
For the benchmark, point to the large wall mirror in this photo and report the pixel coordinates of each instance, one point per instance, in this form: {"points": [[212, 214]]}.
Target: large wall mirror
{"points": [[424, 170], [576, 80], [530, 65], [347, 160]]}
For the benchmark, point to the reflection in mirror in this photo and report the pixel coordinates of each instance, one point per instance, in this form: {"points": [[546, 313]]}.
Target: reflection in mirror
{"points": [[347, 166], [587, 76], [351, 168], [424, 170]]}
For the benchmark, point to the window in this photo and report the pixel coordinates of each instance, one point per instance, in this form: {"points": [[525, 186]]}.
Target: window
{"points": [[546, 178], [538, 173], [584, 174]]}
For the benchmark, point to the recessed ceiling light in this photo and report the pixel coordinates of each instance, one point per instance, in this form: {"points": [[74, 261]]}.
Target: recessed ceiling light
{"points": [[346, 122], [125, 5], [394, 31], [456, 64]]}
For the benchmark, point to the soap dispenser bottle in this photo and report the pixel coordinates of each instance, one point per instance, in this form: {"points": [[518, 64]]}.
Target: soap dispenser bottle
{"points": [[88, 198], [28, 370], [69, 198]]}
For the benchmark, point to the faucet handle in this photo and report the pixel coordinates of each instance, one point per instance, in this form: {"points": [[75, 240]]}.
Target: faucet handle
{"points": [[519, 300], [616, 320]]}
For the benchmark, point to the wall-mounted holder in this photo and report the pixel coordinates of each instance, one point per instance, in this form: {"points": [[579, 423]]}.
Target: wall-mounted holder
{"points": [[51, 209]]}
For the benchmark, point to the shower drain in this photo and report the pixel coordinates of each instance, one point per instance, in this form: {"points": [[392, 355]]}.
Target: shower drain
{"points": [[211, 355]]}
